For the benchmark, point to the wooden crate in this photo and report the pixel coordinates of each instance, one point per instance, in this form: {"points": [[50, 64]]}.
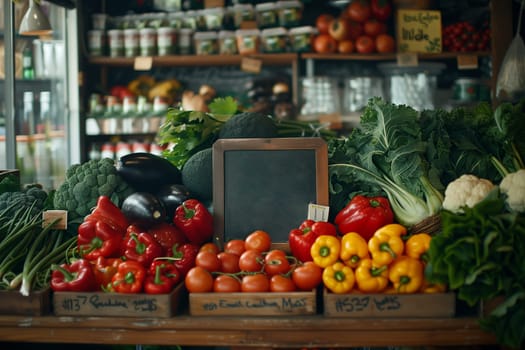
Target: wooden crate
{"points": [[253, 304], [118, 304], [37, 303], [389, 305]]}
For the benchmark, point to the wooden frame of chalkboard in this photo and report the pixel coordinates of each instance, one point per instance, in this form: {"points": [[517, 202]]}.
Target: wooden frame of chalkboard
{"points": [[266, 184]]}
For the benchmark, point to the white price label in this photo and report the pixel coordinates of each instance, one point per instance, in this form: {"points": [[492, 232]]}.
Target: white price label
{"points": [[318, 212]]}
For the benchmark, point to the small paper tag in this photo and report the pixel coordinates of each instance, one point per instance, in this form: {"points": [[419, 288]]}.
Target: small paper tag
{"points": [[467, 62], [407, 59], [213, 3], [49, 216], [248, 25], [251, 65], [143, 63], [318, 212]]}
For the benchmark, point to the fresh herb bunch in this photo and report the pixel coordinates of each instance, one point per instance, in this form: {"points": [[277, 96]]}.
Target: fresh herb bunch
{"points": [[479, 254], [188, 132]]}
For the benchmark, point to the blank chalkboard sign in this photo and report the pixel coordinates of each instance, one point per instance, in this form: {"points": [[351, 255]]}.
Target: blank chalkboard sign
{"points": [[266, 184]]}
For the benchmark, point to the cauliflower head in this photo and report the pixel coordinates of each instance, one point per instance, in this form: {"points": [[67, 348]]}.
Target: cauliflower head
{"points": [[513, 186], [466, 191]]}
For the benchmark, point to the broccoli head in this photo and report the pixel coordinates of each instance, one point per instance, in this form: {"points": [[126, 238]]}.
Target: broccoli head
{"points": [[85, 182]]}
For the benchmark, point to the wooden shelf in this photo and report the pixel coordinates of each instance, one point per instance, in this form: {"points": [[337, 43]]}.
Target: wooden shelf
{"points": [[390, 56], [296, 332], [197, 60]]}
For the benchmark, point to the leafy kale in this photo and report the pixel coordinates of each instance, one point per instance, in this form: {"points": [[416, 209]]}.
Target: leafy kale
{"points": [[386, 154]]}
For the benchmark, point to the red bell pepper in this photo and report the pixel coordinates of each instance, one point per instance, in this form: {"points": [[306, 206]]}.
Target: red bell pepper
{"points": [[104, 269], [184, 257], [109, 213], [142, 247], [74, 277], [97, 238], [129, 278], [300, 239], [167, 235], [162, 276], [364, 215], [194, 220]]}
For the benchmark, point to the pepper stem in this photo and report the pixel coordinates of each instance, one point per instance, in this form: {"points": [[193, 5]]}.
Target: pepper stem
{"points": [[385, 247]]}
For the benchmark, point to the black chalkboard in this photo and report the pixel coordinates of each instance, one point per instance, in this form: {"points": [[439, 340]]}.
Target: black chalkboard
{"points": [[266, 184]]}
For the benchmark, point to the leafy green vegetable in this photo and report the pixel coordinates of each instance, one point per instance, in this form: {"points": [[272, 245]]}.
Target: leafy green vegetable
{"points": [[386, 155], [188, 132], [477, 140], [479, 254]]}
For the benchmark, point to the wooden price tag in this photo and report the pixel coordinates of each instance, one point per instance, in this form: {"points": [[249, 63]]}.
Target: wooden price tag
{"points": [[49, 216], [334, 119], [467, 61], [143, 63], [318, 212], [251, 65], [213, 3], [407, 59]]}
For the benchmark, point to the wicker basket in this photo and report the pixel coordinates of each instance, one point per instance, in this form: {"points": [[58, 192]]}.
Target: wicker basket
{"points": [[430, 225]]}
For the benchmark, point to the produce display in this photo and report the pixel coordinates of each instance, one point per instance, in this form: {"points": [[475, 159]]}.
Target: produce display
{"points": [[362, 27], [134, 226]]}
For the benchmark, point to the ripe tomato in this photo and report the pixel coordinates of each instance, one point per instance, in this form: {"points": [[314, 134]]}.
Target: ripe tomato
{"points": [[167, 235], [255, 283], [365, 44], [280, 283], [229, 262], [226, 284], [355, 29], [276, 262], [251, 260], [322, 22], [208, 261], [235, 246], [359, 10], [307, 276], [373, 27], [210, 246], [198, 280], [385, 43], [345, 46], [381, 9], [339, 29], [258, 240], [324, 43]]}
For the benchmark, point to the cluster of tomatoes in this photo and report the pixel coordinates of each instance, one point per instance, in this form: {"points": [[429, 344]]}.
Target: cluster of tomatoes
{"points": [[465, 37], [361, 27], [250, 265]]}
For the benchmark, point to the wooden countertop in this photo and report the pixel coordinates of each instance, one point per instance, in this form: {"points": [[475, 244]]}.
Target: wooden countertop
{"points": [[291, 332]]}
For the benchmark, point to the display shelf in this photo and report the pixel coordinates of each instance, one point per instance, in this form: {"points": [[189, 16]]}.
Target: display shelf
{"points": [[295, 332], [196, 60], [390, 56]]}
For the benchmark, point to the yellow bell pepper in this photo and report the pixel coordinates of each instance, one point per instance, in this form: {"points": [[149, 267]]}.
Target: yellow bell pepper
{"points": [[371, 278], [353, 249], [417, 246], [393, 230], [384, 247], [338, 278], [325, 250], [430, 288], [406, 274]]}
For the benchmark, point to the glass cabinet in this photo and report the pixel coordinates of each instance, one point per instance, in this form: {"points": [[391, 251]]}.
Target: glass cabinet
{"points": [[38, 95]]}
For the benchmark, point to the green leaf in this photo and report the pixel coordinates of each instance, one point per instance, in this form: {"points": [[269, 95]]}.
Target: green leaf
{"points": [[223, 108]]}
